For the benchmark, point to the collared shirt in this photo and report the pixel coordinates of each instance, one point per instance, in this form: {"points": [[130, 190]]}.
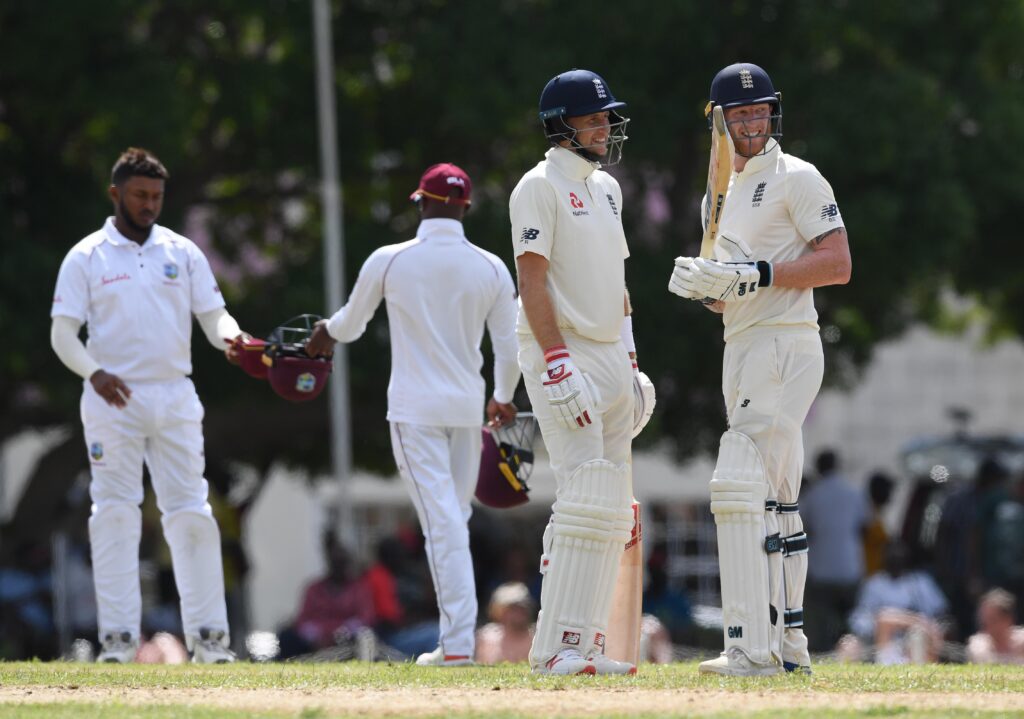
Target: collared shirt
{"points": [[774, 208], [137, 300], [441, 291], [570, 213]]}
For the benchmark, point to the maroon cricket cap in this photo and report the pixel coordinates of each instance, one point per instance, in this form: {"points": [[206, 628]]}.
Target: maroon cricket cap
{"points": [[437, 183]]}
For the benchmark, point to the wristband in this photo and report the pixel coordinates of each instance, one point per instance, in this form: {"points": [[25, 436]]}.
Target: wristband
{"points": [[556, 352], [765, 268]]}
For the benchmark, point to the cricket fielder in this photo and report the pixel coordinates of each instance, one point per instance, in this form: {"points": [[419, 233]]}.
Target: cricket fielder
{"points": [[781, 236], [441, 291], [136, 285], [578, 360]]}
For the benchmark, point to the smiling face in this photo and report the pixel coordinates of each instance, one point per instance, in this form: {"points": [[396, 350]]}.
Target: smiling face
{"points": [[137, 202], [750, 127], [592, 132]]}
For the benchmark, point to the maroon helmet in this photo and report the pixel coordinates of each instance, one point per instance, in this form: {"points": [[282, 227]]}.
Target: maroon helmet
{"points": [[292, 373], [250, 356], [506, 462]]}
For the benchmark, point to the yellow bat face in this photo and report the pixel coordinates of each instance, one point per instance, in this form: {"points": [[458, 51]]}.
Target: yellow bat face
{"points": [[719, 171]]}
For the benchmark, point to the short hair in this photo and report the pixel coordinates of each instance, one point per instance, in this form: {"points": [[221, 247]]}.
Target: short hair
{"points": [[1001, 600], [510, 594], [137, 161], [880, 488], [826, 462]]}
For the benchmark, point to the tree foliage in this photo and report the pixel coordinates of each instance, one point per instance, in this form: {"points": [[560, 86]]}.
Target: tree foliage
{"points": [[905, 108]]}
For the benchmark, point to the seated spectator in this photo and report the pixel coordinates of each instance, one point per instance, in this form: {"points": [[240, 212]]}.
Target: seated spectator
{"points": [[333, 608], [162, 648], [393, 584], [998, 641], [875, 535], [898, 609], [508, 636]]}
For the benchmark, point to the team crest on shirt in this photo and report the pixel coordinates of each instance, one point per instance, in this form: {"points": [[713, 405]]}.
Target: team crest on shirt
{"points": [[758, 194], [611, 203], [96, 451], [305, 382], [171, 271]]}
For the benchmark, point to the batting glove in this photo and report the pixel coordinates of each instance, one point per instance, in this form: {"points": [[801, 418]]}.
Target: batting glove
{"points": [[643, 400], [568, 390], [730, 281], [683, 281]]}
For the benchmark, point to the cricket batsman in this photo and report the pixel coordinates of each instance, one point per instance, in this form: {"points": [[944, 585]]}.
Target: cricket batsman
{"points": [[781, 236], [578, 359]]}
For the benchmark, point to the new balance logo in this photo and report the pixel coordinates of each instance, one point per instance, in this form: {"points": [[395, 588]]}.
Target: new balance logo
{"points": [[736, 632], [571, 638], [830, 213], [758, 194], [529, 233]]}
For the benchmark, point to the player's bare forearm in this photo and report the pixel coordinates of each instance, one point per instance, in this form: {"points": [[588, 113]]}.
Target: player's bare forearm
{"points": [[828, 264], [533, 290], [716, 306]]}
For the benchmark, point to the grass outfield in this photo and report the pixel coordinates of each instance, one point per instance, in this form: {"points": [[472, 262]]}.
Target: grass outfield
{"points": [[308, 691]]}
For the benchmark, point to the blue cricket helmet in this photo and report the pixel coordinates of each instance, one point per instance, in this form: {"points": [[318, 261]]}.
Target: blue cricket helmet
{"points": [[744, 83], [577, 93]]}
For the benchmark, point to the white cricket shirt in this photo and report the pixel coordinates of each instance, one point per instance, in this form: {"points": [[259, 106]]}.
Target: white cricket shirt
{"points": [[440, 291], [570, 212], [137, 300], [775, 207]]}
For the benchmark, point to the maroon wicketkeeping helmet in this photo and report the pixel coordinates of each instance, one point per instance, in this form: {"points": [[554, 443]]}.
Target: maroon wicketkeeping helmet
{"points": [[506, 461], [292, 373], [250, 356]]}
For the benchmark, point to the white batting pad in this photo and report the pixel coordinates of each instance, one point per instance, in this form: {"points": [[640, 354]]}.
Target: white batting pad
{"points": [[739, 489], [590, 524], [795, 564], [194, 541]]}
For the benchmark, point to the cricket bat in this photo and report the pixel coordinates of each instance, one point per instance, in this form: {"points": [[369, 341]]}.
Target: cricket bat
{"points": [[719, 170], [623, 641]]}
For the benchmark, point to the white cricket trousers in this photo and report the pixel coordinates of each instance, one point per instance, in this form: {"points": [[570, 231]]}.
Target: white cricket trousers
{"points": [[610, 436], [770, 378], [579, 577], [440, 467], [161, 426]]}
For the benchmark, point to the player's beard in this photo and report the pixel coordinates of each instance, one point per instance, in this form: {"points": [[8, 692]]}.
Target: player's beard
{"points": [[130, 221]]}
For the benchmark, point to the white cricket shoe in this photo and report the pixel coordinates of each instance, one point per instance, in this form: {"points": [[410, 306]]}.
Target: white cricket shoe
{"points": [[210, 647], [438, 658], [566, 662], [735, 663], [118, 648], [606, 665]]}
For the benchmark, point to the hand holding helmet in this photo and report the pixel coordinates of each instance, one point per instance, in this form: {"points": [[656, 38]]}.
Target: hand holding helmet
{"points": [[296, 371]]}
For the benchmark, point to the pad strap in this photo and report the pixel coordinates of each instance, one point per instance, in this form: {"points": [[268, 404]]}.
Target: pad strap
{"points": [[793, 544], [781, 507], [794, 617]]}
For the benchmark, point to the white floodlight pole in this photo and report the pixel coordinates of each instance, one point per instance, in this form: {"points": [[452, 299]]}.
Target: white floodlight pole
{"points": [[334, 263]]}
